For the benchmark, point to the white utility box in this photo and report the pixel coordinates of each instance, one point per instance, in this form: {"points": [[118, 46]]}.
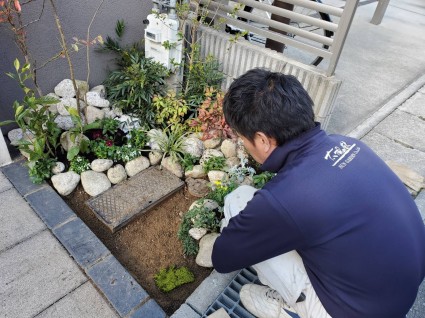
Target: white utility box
{"points": [[161, 40]]}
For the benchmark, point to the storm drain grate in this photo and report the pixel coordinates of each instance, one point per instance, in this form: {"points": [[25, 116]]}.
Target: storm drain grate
{"points": [[138, 194], [229, 299]]}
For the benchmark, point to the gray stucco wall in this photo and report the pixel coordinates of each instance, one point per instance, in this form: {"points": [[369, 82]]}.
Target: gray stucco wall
{"points": [[43, 41]]}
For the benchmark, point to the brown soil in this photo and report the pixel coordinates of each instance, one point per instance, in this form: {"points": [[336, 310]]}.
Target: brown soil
{"points": [[147, 244]]}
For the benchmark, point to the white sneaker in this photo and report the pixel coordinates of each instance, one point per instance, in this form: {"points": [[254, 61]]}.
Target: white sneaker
{"points": [[264, 302]]}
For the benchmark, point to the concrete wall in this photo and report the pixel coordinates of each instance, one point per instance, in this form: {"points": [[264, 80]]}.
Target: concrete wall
{"points": [[43, 40]]}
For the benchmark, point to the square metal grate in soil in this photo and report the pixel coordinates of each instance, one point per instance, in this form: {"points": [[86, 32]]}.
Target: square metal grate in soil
{"points": [[229, 299], [123, 202]]}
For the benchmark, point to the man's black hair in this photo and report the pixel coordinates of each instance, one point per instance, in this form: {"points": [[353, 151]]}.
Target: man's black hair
{"points": [[269, 102]]}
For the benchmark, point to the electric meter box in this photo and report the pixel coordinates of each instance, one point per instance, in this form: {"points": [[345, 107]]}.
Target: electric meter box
{"points": [[161, 40]]}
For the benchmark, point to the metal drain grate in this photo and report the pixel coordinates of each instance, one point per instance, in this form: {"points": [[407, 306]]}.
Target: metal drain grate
{"points": [[229, 299]]}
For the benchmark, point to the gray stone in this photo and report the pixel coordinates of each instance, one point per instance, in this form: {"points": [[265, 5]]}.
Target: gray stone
{"points": [[100, 165], [66, 103], [155, 157], [173, 166], [66, 140], [83, 87], [420, 202], [58, 167], [208, 153], [205, 250], [117, 174], [118, 286], [221, 313], [27, 136], [14, 136], [94, 99], [64, 122], [217, 175], [197, 172], [399, 126], [232, 161], [36, 274], [208, 203], [65, 89], [109, 113], [415, 105], [149, 309], [94, 183], [228, 148], [17, 173], [212, 143], [418, 308], [17, 220], [197, 187], [136, 165], [197, 232], [85, 301], [50, 207], [65, 182], [387, 149], [193, 146], [117, 111], [100, 89], [93, 113], [81, 243], [209, 290], [185, 311], [4, 183]]}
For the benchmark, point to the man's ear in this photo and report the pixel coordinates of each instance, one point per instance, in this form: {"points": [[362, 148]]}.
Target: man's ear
{"points": [[266, 143]]}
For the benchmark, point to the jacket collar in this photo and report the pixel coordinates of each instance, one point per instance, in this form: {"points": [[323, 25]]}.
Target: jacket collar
{"points": [[291, 149]]}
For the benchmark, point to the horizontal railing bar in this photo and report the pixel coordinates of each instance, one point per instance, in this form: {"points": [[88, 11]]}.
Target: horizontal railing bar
{"points": [[317, 6], [275, 24]]}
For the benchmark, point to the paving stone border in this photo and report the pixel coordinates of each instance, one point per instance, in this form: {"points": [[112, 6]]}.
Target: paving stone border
{"points": [[122, 291]]}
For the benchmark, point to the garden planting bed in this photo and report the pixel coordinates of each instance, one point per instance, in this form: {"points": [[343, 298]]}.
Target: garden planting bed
{"points": [[147, 244]]}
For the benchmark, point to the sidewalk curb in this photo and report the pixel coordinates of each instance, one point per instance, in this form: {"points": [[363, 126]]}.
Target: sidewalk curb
{"points": [[394, 102]]}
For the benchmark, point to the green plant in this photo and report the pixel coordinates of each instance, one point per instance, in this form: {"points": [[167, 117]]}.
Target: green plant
{"points": [[210, 120], [41, 169], [261, 179], [137, 80], [170, 142], [214, 163], [137, 138], [238, 173], [109, 126], [170, 278], [79, 164], [199, 216], [220, 189], [170, 109], [188, 161]]}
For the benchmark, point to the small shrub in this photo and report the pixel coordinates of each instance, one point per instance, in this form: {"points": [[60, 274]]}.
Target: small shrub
{"points": [[168, 279], [188, 161], [170, 109], [261, 179], [41, 169], [219, 190]]}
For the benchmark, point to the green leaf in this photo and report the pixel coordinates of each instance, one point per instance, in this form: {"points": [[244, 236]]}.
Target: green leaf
{"points": [[19, 110], [72, 111], [17, 65], [7, 122], [72, 153], [26, 67]]}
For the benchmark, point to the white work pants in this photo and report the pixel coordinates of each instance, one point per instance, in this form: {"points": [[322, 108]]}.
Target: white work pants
{"points": [[284, 273]]}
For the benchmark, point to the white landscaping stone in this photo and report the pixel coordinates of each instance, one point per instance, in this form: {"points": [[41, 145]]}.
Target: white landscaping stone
{"points": [[64, 122], [14, 136], [221, 313], [155, 157], [232, 161], [197, 232], [208, 153], [136, 165], [212, 143], [65, 182], [66, 140], [208, 203], [65, 89], [228, 148], [193, 146], [94, 99], [100, 89], [59, 167], [109, 113], [217, 175], [66, 103], [117, 174], [173, 166], [205, 250], [93, 113], [100, 165], [197, 172], [94, 183]]}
